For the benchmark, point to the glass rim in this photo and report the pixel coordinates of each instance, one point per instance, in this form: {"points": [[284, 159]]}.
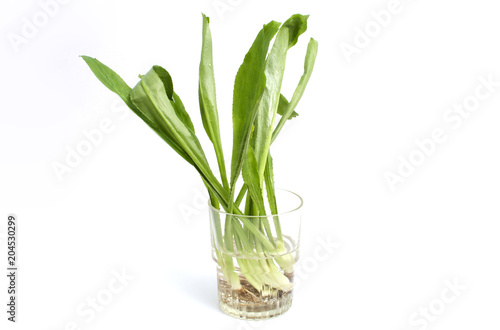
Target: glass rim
{"points": [[301, 203]]}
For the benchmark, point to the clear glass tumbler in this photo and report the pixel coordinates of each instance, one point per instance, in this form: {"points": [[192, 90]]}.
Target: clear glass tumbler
{"points": [[255, 258]]}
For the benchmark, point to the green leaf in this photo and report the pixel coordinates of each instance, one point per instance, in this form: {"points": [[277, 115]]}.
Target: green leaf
{"points": [[274, 71], [109, 78], [312, 52], [251, 178], [117, 85], [248, 87], [271, 196], [241, 195], [149, 96], [269, 179], [180, 110], [297, 25], [283, 105], [208, 100], [166, 79]]}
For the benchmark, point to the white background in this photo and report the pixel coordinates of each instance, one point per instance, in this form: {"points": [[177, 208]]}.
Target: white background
{"points": [[132, 204]]}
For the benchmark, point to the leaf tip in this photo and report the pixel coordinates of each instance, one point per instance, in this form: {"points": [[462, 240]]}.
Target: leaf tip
{"points": [[205, 18]]}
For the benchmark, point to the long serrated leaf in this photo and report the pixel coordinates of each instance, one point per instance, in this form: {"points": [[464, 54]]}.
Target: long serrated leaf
{"points": [[248, 87], [208, 99], [274, 71], [312, 52]]}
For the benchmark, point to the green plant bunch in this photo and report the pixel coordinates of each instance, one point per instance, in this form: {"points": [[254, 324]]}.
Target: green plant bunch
{"points": [[259, 113]]}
